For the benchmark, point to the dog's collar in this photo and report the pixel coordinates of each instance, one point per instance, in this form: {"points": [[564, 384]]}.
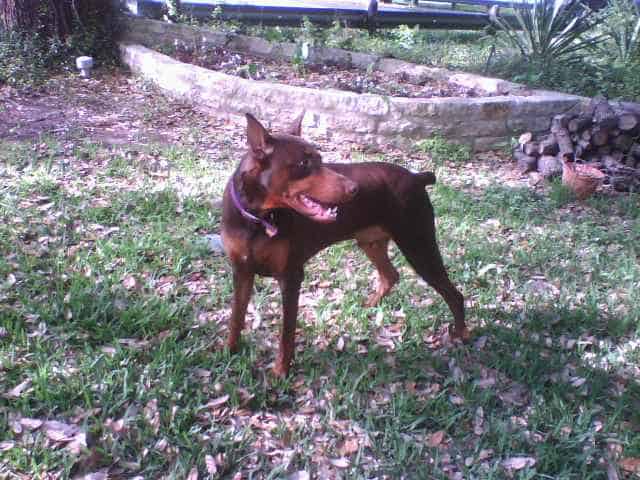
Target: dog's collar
{"points": [[270, 229]]}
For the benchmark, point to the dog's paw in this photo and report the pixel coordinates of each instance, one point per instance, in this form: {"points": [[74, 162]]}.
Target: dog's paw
{"points": [[233, 346], [280, 371], [372, 301], [462, 334]]}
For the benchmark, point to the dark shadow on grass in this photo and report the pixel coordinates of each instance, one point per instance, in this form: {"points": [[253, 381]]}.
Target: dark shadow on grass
{"points": [[547, 352]]}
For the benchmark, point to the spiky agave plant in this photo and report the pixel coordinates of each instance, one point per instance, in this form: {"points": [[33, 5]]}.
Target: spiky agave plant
{"points": [[545, 31], [621, 23]]}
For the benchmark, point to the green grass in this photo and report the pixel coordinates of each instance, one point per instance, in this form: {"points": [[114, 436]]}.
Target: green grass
{"points": [[115, 312]]}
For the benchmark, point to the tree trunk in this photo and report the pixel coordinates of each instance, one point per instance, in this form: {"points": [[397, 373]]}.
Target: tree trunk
{"points": [[56, 18], [19, 14]]}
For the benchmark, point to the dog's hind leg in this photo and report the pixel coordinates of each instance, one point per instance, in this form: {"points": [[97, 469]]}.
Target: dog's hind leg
{"points": [[417, 241], [242, 290], [378, 252]]}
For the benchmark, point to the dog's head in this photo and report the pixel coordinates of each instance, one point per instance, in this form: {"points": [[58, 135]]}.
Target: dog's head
{"points": [[288, 173]]}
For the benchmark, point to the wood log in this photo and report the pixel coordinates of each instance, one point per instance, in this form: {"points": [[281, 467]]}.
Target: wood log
{"points": [[614, 132], [618, 156], [576, 125], [624, 178], [603, 113], [599, 136], [630, 161], [608, 123], [609, 162], [628, 122], [560, 121], [591, 156], [575, 137], [525, 138], [565, 145], [526, 163], [586, 134], [604, 150], [622, 142], [635, 150], [548, 146], [593, 103], [531, 148], [594, 161], [550, 165], [583, 146]]}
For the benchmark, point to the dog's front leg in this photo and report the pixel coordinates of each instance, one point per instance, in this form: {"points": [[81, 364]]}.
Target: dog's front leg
{"points": [[290, 289], [242, 290]]}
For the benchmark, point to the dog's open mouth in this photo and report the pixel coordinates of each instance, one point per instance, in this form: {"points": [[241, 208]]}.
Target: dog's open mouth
{"points": [[315, 210]]}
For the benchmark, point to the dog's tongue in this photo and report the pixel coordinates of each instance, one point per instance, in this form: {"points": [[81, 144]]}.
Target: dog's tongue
{"points": [[317, 210]]}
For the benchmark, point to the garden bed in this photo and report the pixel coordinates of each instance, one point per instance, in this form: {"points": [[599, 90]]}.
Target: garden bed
{"points": [[322, 76]]}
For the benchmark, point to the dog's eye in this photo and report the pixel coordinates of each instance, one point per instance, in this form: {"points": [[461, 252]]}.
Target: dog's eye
{"points": [[302, 168]]}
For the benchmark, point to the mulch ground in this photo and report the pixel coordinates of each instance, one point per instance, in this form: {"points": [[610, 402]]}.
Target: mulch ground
{"points": [[319, 76]]}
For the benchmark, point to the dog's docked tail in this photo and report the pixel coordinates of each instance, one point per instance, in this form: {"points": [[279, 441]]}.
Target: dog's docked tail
{"points": [[426, 178]]}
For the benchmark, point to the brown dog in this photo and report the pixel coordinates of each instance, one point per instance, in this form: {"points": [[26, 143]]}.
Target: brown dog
{"points": [[283, 205]]}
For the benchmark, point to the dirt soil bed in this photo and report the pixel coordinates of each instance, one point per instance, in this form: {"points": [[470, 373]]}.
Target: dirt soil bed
{"points": [[318, 76]]}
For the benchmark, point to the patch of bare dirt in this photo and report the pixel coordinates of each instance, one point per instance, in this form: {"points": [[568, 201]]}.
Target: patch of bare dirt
{"points": [[112, 108], [318, 76]]}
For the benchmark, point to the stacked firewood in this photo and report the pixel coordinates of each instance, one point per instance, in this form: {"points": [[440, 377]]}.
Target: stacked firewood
{"points": [[600, 136]]}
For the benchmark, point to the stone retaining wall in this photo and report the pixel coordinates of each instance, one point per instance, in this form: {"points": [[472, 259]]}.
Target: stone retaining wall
{"points": [[483, 122]]}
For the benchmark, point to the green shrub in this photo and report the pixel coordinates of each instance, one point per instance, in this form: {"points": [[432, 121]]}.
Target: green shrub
{"points": [[27, 58], [620, 21], [550, 31], [559, 194], [442, 150], [24, 59]]}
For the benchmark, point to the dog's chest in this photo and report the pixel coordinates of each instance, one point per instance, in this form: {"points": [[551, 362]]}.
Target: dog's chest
{"points": [[263, 255]]}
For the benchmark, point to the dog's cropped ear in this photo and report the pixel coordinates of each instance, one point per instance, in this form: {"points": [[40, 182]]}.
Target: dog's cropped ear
{"points": [[295, 128], [258, 138]]}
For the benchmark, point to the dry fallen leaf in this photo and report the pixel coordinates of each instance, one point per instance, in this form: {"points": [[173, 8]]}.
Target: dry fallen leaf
{"points": [[152, 415], [630, 464], [518, 463], [349, 446], [108, 350], [31, 423], [59, 431], [7, 445], [212, 466], [340, 462], [485, 382], [193, 474], [99, 475], [485, 453], [161, 445], [478, 421], [129, 282], [299, 475], [216, 402], [435, 439], [517, 395], [116, 426], [78, 444], [18, 390]]}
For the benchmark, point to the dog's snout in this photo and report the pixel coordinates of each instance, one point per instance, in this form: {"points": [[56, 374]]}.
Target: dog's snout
{"points": [[352, 189]]}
